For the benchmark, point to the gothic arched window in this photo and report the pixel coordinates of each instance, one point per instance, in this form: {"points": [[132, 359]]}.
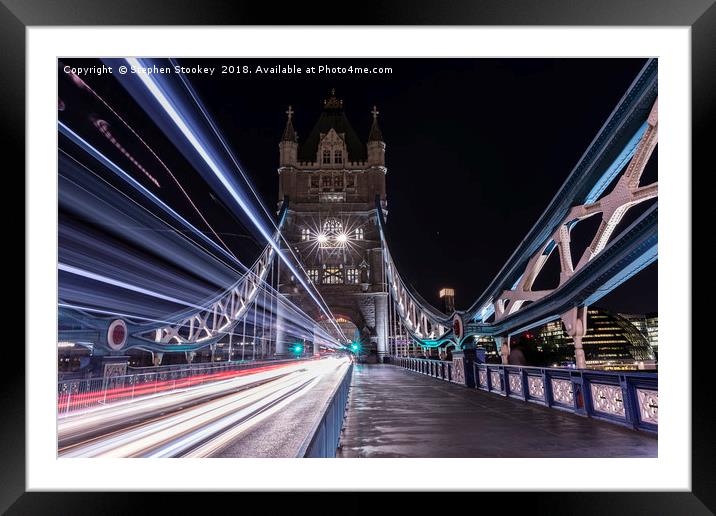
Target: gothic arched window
{"points": [[326, 157], [332, 234], [332, 226]]}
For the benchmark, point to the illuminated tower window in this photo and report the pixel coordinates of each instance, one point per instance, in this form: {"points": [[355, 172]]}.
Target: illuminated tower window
{"points": [[331, 235], [305, 234], [338, 157], [313, 275], [332, 276], [326, 157], [352, 275], [332, 197], [359, 234]]}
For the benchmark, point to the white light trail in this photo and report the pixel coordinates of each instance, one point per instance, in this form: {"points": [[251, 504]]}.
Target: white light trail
{"points": [[217, 133], [110, 281], [168, 107], [197, 421]]}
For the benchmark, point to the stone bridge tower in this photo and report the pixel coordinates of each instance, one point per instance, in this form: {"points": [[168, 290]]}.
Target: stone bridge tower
{"points": [[330, 181]]}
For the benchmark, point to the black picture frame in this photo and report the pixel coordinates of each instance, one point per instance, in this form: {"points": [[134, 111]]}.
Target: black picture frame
{"points": [[699, 15]]}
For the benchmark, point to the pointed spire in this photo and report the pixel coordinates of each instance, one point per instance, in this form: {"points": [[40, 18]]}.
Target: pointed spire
{"points": [[333, 102], [375, 134], [289, 134]]}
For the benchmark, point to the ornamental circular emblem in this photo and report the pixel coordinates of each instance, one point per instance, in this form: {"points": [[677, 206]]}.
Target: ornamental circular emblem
{"points": [[457, 327], [117, 334]]}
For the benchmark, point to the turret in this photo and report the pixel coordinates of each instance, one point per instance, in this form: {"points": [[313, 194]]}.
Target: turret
{"points": [[288, 147], [376, 145]]}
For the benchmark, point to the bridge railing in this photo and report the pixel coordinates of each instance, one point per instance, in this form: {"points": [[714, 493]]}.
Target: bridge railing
{"points": [[77, 394], [325, 437], [441, 369], [627, 398]]}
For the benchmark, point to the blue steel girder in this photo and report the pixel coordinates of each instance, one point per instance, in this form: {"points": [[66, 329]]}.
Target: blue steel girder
{"points": [[621, 149], [634, 249], [586, 179]]}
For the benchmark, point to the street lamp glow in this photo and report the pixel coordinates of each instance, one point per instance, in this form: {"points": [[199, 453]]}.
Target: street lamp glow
{"points": [[342, 238], [322, 238]]}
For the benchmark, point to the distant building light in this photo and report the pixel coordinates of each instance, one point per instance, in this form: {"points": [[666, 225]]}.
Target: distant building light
{"points": [[447, 292], [65, 344]]}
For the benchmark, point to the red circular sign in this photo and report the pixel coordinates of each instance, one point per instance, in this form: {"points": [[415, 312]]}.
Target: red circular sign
{"points": [[457, 327], [117, 334]]}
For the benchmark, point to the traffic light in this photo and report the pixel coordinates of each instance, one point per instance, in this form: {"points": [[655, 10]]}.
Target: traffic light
{"points": [[355, 347], [297, 348]]}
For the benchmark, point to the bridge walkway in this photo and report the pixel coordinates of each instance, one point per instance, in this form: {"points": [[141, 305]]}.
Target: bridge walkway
{"points": [[394, 412]]}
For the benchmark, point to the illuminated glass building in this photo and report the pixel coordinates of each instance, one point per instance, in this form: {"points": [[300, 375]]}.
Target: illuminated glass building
{"points": [[652, 330], [612, 342], [648, 325]]}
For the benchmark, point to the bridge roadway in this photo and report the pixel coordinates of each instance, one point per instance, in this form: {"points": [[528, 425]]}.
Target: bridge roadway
{"points": [[266, 413], [394, 412]]}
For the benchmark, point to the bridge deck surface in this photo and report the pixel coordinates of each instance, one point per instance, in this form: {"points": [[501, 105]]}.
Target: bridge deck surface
{"points": [[398, 413]]}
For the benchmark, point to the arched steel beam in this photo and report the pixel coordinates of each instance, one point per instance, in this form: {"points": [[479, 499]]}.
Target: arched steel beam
{"points": [[621, 150]]}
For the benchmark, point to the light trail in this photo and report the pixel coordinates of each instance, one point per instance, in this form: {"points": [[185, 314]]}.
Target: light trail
{"points": [[97, 210], [92, 151], [124, 175], [182, 125], [68, 403], [196, 421], [302, 324], [110, 312], [117, 283], [302, 320], [223, 142], [81, 83]]}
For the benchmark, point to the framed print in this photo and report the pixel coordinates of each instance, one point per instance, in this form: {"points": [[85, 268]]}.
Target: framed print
{"points": [[422, 245]]}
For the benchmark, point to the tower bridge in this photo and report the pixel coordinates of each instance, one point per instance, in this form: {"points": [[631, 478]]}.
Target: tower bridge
{"points": [[326, 283]]}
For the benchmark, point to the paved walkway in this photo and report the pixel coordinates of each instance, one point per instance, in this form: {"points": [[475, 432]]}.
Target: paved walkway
{"points": [[393, 412]]}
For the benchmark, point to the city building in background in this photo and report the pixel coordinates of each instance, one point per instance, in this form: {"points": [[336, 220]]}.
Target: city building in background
{"points": [[652, 330], [612, 342], [447, 298], [638, 320], [648, 325]]}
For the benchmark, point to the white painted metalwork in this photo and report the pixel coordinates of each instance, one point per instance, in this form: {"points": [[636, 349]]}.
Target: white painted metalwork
{"points": [[535, 387], [648, 405], [220, 316], [562, 391], [608, 399], [626, 193]]}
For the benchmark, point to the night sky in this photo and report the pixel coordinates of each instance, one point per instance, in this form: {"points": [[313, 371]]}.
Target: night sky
{"points": [[476, 149]]}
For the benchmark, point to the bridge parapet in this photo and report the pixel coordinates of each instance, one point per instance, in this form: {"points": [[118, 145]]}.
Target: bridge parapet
{"points": [[626, 398], [629, 399]]}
